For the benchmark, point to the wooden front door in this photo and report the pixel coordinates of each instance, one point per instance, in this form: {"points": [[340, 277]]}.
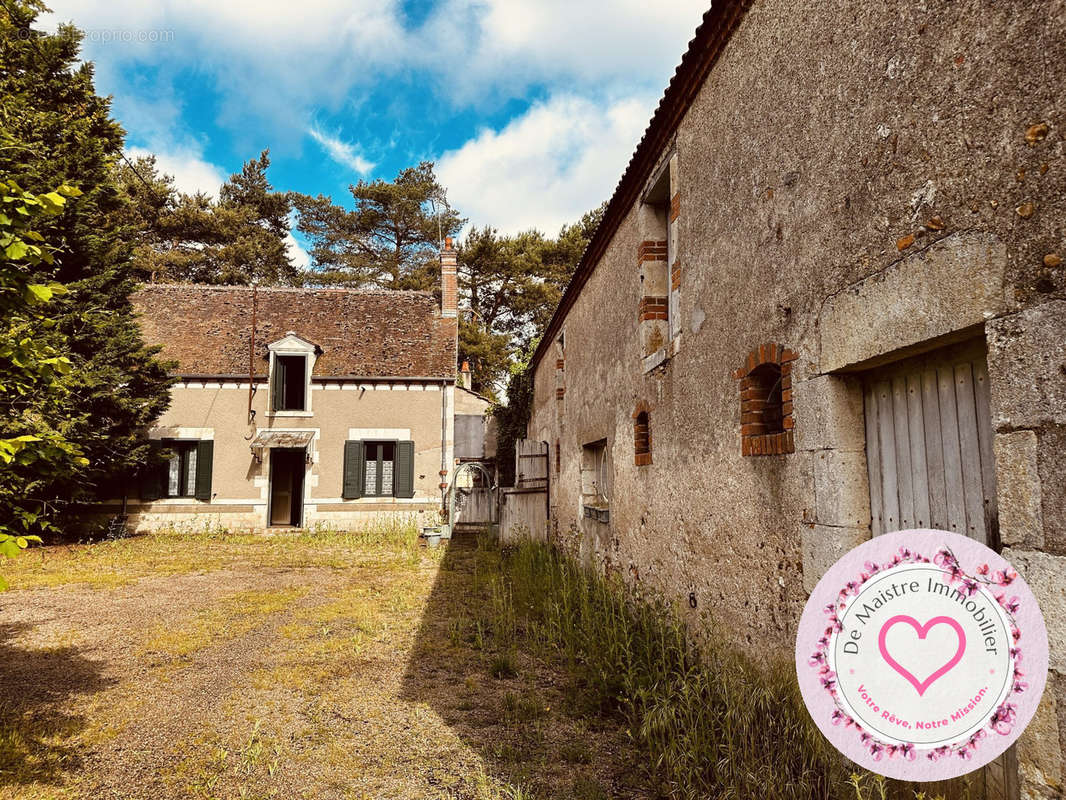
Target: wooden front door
{"points": [[930, 461], [286, 486]]}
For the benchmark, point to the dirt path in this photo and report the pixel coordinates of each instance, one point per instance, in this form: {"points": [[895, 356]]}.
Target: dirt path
{"points": [[320, 667]]}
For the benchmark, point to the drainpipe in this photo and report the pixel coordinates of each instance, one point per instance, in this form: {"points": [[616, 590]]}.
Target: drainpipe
{"points": [[251, 361], [444, 448]]}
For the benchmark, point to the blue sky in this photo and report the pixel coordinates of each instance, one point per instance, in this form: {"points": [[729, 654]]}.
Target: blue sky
{"points": [[531, 108]]}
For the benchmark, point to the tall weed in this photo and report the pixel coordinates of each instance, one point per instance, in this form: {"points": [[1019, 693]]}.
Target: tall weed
{"points": [[713, 723]]}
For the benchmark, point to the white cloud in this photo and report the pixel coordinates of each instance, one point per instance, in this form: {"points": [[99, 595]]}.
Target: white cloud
{"points": [[280, 59], [547, 167], [187, 166], [299, 257], [270, 61], [275, 66], [341, 151], [273, 31], [511, 44]]}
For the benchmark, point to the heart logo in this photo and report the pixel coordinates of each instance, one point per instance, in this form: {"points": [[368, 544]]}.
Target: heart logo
{"points": [[921, 630]]}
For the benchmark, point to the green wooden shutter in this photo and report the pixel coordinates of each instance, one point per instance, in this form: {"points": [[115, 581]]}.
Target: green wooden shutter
{"points": [[403, 479], [277, 391], [205, 453], [354, 468], [152, 477]]}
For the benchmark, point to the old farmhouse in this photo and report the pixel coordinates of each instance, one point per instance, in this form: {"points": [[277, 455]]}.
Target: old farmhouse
{"points": [[305, 407], [827, 301]]}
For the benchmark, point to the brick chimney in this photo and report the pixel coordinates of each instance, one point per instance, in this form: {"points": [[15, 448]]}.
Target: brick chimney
{"points": [[467, 375], [449, 288]]}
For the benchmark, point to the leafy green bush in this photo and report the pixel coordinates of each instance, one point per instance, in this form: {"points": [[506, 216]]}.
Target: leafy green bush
{"points": [[33, 445], [33, 366]]}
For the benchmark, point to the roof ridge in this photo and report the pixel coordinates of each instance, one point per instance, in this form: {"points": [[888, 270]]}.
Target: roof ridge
{"points": [[715, 29], [301, 289]]}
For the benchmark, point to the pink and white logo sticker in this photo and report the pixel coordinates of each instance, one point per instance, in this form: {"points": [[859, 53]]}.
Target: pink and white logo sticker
{"points": [[922, 655]]}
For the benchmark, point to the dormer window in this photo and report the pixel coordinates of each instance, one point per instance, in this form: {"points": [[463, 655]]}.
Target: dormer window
{"points": [[290, 383], [291, 362]]}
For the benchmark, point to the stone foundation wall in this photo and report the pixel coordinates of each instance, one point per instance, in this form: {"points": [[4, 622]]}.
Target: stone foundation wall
{"points": [[353, 516]]}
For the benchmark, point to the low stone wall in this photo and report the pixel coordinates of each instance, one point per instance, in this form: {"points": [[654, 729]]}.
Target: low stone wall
{"points": [[251, 517]]}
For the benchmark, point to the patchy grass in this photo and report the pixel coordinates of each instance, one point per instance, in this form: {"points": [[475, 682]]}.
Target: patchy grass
{"points": [[206, 664], [234, 616], [182, 551]]}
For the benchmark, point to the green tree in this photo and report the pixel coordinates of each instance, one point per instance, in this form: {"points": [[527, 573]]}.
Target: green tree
{"points": [[559, 259], [194, 238], [58, 131], [513, 416], [389, 240], [512, 286], [35, 374]]}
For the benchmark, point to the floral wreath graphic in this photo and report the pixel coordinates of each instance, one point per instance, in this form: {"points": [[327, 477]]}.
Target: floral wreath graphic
{"points": [[1002, 719]]}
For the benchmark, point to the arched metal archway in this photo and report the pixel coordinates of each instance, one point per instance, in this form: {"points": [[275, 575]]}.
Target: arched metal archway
{"points": [[457, 494]]}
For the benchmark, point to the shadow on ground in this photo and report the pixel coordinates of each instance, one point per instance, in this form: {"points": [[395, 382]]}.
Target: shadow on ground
{"points": [[527, 716], [522, 712], [37, 687]]}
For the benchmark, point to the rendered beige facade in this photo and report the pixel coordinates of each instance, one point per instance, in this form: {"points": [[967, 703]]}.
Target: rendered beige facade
{"points": [[305, 408], [383, 410]]}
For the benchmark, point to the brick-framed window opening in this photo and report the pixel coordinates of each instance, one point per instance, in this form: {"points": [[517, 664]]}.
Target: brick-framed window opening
{"points": [[654, 309], [766, 422], [560, 369], [641, 437], [659, 266]]}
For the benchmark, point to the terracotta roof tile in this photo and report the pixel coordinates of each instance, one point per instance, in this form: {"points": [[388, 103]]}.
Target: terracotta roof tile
{"points": [[361, 333]]}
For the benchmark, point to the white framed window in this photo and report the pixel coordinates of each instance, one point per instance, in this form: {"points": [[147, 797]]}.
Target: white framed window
{"points": [[292, 360], [380, 468], [186, 471], [181, 469]]}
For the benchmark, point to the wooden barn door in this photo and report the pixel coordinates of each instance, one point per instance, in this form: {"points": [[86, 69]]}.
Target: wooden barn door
{"points": [[930, 461], [929, 445]]}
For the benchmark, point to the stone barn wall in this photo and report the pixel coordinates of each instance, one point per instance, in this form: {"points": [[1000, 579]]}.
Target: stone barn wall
{"points": [[851, 186]]}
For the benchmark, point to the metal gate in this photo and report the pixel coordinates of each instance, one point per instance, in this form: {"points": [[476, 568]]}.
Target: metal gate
{"points": [[931, 465]]}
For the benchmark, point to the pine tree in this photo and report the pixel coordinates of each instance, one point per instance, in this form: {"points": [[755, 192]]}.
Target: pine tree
{"points": [[512, 285], [196, 239], [389, 241], [59, 131]]}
